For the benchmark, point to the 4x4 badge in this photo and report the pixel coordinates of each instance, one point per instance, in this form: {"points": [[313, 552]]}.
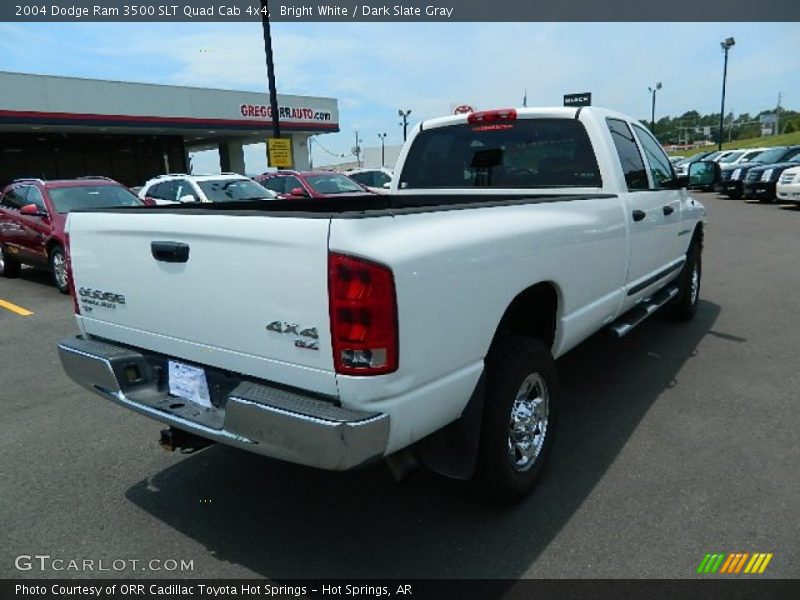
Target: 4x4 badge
{"points": [[294, 329]]}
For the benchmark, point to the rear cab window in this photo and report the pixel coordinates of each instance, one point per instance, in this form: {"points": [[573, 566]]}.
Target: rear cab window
{"points": [[514, 154]]}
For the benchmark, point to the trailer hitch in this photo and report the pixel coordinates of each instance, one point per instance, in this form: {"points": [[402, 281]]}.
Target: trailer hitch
{"points": [[176, 439]]}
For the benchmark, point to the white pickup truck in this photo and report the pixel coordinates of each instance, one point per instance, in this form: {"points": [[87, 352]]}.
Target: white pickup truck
{"points": [[425, 322]]}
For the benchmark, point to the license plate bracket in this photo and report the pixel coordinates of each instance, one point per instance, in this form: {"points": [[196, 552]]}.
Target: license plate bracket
{"points": [[189, 383]]}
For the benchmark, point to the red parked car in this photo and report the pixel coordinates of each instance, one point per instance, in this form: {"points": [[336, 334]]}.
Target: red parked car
{"points": [[33, 213], [310, 184]]}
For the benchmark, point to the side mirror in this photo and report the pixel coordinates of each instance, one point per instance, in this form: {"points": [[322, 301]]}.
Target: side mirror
{"points": [[298, 191], [148, 201], [31, 210], [704, 173], [187, 198], [387, 185]]}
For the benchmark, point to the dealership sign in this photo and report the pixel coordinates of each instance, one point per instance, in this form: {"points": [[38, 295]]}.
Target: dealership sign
{"points": [[582, 99], [289, 113]]}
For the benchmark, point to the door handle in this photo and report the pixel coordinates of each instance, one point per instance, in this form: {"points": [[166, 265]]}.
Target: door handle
{"points": [[174, 252], [668, 210], [638, 215]]}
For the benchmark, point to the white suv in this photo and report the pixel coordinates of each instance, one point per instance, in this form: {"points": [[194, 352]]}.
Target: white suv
{"points": [[375, 180], [225, 187], [788, 188]]}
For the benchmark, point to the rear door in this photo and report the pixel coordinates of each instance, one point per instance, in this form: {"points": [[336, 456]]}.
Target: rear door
{"points": [[251, 296]]}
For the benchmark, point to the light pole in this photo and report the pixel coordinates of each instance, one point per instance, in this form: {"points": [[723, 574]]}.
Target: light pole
{"points": [[404, 115], [653, 91], [726, 45], [383, 148]]}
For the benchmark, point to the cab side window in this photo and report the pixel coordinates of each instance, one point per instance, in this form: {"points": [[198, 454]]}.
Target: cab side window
{"points": [[155, 191], [660, 167], [168, 191], [185, 189], [363, 178], [629, 156], [291, 183], [276, 184], [15, 197], [35, 197]]}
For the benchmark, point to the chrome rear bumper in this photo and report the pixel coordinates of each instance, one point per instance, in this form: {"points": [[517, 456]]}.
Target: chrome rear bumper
{"points": [[261, 418]]}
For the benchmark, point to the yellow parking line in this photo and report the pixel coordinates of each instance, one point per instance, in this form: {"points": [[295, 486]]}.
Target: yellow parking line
{"points": [[22, 312]]}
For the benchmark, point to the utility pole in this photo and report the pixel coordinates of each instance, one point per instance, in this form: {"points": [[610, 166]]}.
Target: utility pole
{"points": [[778, 115], [273, 95], [357, 150]]}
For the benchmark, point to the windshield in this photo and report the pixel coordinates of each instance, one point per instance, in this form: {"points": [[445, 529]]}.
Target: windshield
{"points": [[229, 190], [748, 156], [66, 199], [525, 153], [730, 157], [770, 156], [333, 184]]}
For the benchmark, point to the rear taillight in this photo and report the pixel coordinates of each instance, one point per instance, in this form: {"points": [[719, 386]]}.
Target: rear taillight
{"points": [[492, 116], [363, 312], [70, 279]]}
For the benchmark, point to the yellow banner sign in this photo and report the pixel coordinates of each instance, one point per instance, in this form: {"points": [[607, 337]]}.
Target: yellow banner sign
{"points": [[280, 152]]}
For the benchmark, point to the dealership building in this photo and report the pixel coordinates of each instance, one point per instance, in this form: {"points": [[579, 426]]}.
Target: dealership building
{"points": [[63, 127]]}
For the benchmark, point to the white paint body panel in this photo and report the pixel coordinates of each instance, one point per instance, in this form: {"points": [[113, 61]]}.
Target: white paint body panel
{"points": [[242, 274], [456, 272]]}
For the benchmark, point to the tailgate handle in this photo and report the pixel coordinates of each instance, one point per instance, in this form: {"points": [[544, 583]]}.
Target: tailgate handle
{"points": [[174, 252]]}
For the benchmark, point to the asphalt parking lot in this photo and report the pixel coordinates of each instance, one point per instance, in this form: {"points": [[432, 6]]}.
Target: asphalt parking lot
{"points": [[675, 441]]}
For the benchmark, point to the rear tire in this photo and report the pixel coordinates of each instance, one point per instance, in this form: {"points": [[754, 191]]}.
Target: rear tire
{"points": [[58, 267], [684, 307], [519, 417], [9, 267]]}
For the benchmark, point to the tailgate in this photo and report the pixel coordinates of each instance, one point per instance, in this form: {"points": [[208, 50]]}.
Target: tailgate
{"points": [[250, 298]]}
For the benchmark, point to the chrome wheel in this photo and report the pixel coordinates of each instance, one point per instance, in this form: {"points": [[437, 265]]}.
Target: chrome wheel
{"points": [[60, 270], [694, 284], [528, 425], [2, 260]]}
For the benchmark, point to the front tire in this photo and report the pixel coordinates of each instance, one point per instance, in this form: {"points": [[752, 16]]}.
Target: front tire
{"points": [[58, 267], [519, 417], [9, 267], [685, 304]]}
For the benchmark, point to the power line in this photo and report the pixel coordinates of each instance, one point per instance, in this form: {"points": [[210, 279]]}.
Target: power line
{"points": [[317, 142]]}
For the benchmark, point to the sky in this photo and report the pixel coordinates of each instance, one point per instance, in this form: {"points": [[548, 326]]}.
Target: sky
{"points": [[373, 69]]}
